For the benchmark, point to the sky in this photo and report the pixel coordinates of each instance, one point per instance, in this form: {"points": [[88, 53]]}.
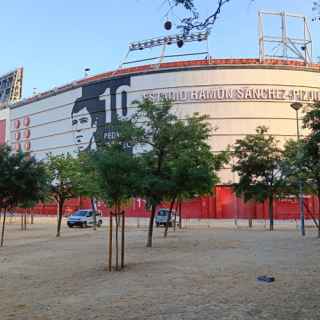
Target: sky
{"points": [[56, 40]]}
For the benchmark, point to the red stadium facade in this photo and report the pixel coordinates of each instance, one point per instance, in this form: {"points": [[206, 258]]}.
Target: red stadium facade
{"points": [[222, 205]]}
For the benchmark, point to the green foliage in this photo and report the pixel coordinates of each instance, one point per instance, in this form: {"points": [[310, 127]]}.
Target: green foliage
{"points": [[36, 181], [311, 148], [292, 166], [64, 175], [22, 180], [301, 160], [117, 174], [88, 186], [258, 164], [157, 139], [193, 166], [65, 180], [311, 120], [174, 154]]}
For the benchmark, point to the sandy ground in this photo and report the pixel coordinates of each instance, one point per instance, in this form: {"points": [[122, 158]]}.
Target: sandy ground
{"points": [[196, 273]]}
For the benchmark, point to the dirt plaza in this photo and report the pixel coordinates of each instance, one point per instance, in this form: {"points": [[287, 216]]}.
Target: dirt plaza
{"points": [[195, 273]]}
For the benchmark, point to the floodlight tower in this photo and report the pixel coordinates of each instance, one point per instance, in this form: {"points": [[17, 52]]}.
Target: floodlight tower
{"points": [[179, 39], [285, 46]]}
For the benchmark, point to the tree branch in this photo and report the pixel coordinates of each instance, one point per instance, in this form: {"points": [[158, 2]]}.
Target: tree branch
{"points": [[193, 23]]}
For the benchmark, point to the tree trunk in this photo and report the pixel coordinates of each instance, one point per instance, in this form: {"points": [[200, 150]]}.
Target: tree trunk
{"points": [[314, 218], [180, 214], [117, 216], [110, 242], [175, 217], [169, 215], [250, 219], [271, 213], [122, 239], [151, 222], [60, 212], [25, 221], [31, 217], [21, 216], [3, 226], [319, 215], [93, 207]]}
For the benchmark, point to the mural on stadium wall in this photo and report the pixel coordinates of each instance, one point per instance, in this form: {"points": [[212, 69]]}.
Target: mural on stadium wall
{"points": [[96, 112]]}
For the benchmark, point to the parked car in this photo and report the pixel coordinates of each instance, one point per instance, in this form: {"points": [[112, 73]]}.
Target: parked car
{"points": [[163, 216], [84, 218]]}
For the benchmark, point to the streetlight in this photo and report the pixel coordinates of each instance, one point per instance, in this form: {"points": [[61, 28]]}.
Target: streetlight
{"points": [[297, 106]]}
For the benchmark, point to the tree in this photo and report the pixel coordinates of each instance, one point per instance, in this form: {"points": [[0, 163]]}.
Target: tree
{"points": [[311, 152], [156, 141], [298, 167], [65, 181], [193, 166], [22, 180], [174, 154], [258, 165], [87, 184], [118, 175]]}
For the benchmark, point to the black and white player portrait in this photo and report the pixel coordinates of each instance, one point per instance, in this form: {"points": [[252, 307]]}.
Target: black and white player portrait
{"points": [[95, 112]]}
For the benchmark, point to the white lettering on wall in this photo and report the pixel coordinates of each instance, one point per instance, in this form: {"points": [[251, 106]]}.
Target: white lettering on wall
{"points": [[234, 94]]}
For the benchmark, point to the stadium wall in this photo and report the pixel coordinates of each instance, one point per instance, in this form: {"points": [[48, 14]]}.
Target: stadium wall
{"points": [[237, 94]]}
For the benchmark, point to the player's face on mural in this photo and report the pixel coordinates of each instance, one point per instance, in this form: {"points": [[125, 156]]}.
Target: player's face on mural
{"points": [[99, 102], [83, 129]]}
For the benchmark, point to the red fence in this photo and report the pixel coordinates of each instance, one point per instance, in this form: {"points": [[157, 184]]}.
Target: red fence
{"points": [[223, 204]]}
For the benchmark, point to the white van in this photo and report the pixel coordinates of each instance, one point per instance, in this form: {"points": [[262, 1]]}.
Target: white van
{"points": [[84, 218]]}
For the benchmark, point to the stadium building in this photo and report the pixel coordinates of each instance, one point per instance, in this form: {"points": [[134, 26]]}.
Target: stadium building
{"points": [[237, 94]]}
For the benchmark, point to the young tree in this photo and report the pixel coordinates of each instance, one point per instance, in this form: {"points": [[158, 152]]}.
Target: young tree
{"points": [[311, 156], [22, 180], [88, 186], [311, 152], [299, 167], [258, 165], [193, 166], [171, 149], [65, 181], [156, 140], [118, 175]]}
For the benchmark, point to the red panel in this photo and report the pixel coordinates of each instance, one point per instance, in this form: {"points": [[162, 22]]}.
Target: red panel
{"points": [[222, 205], [286, 209], [226, 203], [192, 209], [2, 131], [245, 210]]}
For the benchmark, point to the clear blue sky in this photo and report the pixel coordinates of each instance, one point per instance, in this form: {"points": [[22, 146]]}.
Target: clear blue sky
{"points": [[55, 40]]}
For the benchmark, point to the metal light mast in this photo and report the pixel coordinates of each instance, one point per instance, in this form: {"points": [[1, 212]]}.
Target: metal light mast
{"points": [[284, 46]]}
